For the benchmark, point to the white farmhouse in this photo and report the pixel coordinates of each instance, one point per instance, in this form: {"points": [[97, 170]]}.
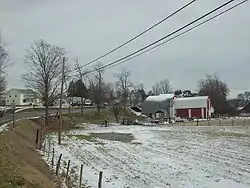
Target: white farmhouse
{"points": [[21, 97]]}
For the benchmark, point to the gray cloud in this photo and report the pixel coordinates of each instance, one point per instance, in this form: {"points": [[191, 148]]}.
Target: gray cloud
{"points": [[88, 29]]}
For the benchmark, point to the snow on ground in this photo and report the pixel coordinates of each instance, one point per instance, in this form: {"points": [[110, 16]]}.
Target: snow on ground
{"points": [[4, 127], [160, 157]]}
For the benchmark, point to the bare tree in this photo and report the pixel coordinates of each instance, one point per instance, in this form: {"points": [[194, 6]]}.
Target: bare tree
{"points": [[123, 84], [44, 63], [110, 93], [96, 86], [217, 90], [165, 86], [4, 63], [156, 89], [111, 97], [244, 96], [81, 87]]}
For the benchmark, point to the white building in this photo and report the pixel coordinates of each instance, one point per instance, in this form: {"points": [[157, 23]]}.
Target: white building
{"points": [[21, 97], [160, 106]]}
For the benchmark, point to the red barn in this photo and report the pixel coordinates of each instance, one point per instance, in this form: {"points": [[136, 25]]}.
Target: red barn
{"points": [[192, 107]]}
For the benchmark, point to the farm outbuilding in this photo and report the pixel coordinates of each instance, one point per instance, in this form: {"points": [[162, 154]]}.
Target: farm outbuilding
{"points": [[169, 106], [160, 106], [193, 107]]}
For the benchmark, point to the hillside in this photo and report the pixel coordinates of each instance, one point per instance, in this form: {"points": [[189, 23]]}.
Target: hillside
{"points": [[20, 164]]}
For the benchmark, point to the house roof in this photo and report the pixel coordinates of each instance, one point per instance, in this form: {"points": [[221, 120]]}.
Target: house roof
{"points": [[25, 91], [160, 98], [192, 98], [246, 109], [191, 102], [237, 102]]}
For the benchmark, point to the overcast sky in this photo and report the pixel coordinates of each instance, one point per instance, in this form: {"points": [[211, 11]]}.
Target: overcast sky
{"points": [[87, 29]]}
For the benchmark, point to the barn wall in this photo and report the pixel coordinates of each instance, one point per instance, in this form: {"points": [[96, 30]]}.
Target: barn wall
{"points": [[194, 113], [182, 113], [190, 102]]}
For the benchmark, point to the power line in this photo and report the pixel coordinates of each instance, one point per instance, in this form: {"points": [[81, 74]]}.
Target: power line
{"points": [[159, 40], [140, 34], [182, 33]]}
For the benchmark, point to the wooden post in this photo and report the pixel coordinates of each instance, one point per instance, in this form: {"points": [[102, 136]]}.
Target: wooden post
{"points": [[37, 137], [58, 164], [100, 180], [232, 122], [67, 172], [53, 155], [80, 183]]}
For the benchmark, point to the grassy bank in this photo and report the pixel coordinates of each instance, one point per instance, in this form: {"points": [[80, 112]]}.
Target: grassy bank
{"points": [[20, 164], [94, 118]]}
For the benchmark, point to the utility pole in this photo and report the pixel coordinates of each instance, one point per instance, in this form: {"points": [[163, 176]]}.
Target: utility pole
{"points": [[61, 98]]}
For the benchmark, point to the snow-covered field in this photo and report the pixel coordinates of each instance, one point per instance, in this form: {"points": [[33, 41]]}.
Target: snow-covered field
{"points": [[160, 157]]}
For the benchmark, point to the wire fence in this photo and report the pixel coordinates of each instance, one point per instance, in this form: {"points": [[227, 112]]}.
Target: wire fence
{"points": [[66, 173], [218, 122]]}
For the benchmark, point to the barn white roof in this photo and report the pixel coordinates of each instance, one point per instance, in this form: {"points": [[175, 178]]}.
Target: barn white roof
{"points": [[160, 98], [191, 102]]}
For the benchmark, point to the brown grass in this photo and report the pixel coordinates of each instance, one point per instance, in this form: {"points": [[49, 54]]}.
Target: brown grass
{"points": [[20, 164], [95, 118]]}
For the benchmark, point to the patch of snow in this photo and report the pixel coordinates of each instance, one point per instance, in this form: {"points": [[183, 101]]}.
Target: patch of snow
{"points": [[4, 127], [173, 156]]}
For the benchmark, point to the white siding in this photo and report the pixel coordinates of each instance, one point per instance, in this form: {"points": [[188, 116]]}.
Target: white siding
{"points": [[13, 96], [190, 102], [16, 96]]}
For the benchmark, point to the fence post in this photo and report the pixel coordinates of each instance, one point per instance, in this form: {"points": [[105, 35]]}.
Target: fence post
{"points": [[53, 155], [100, 180], [37, 136], [67, 172], [219, 122], [58, 164], [197, 122], [80, 183], [232, 122]]}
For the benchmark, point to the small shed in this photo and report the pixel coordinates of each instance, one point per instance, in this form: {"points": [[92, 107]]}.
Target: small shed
{"points": [[159, 106]]}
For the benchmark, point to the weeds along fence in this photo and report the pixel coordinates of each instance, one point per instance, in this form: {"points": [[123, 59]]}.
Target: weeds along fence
{"points": [[218, 122], [66, 173]]}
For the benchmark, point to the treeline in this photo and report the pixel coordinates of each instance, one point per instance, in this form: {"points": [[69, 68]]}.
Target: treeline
{"points": [[44, 74]]}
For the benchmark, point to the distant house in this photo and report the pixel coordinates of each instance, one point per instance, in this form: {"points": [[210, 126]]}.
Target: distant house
{"points": [[245, 109], [21, 97], [239, 104]]}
